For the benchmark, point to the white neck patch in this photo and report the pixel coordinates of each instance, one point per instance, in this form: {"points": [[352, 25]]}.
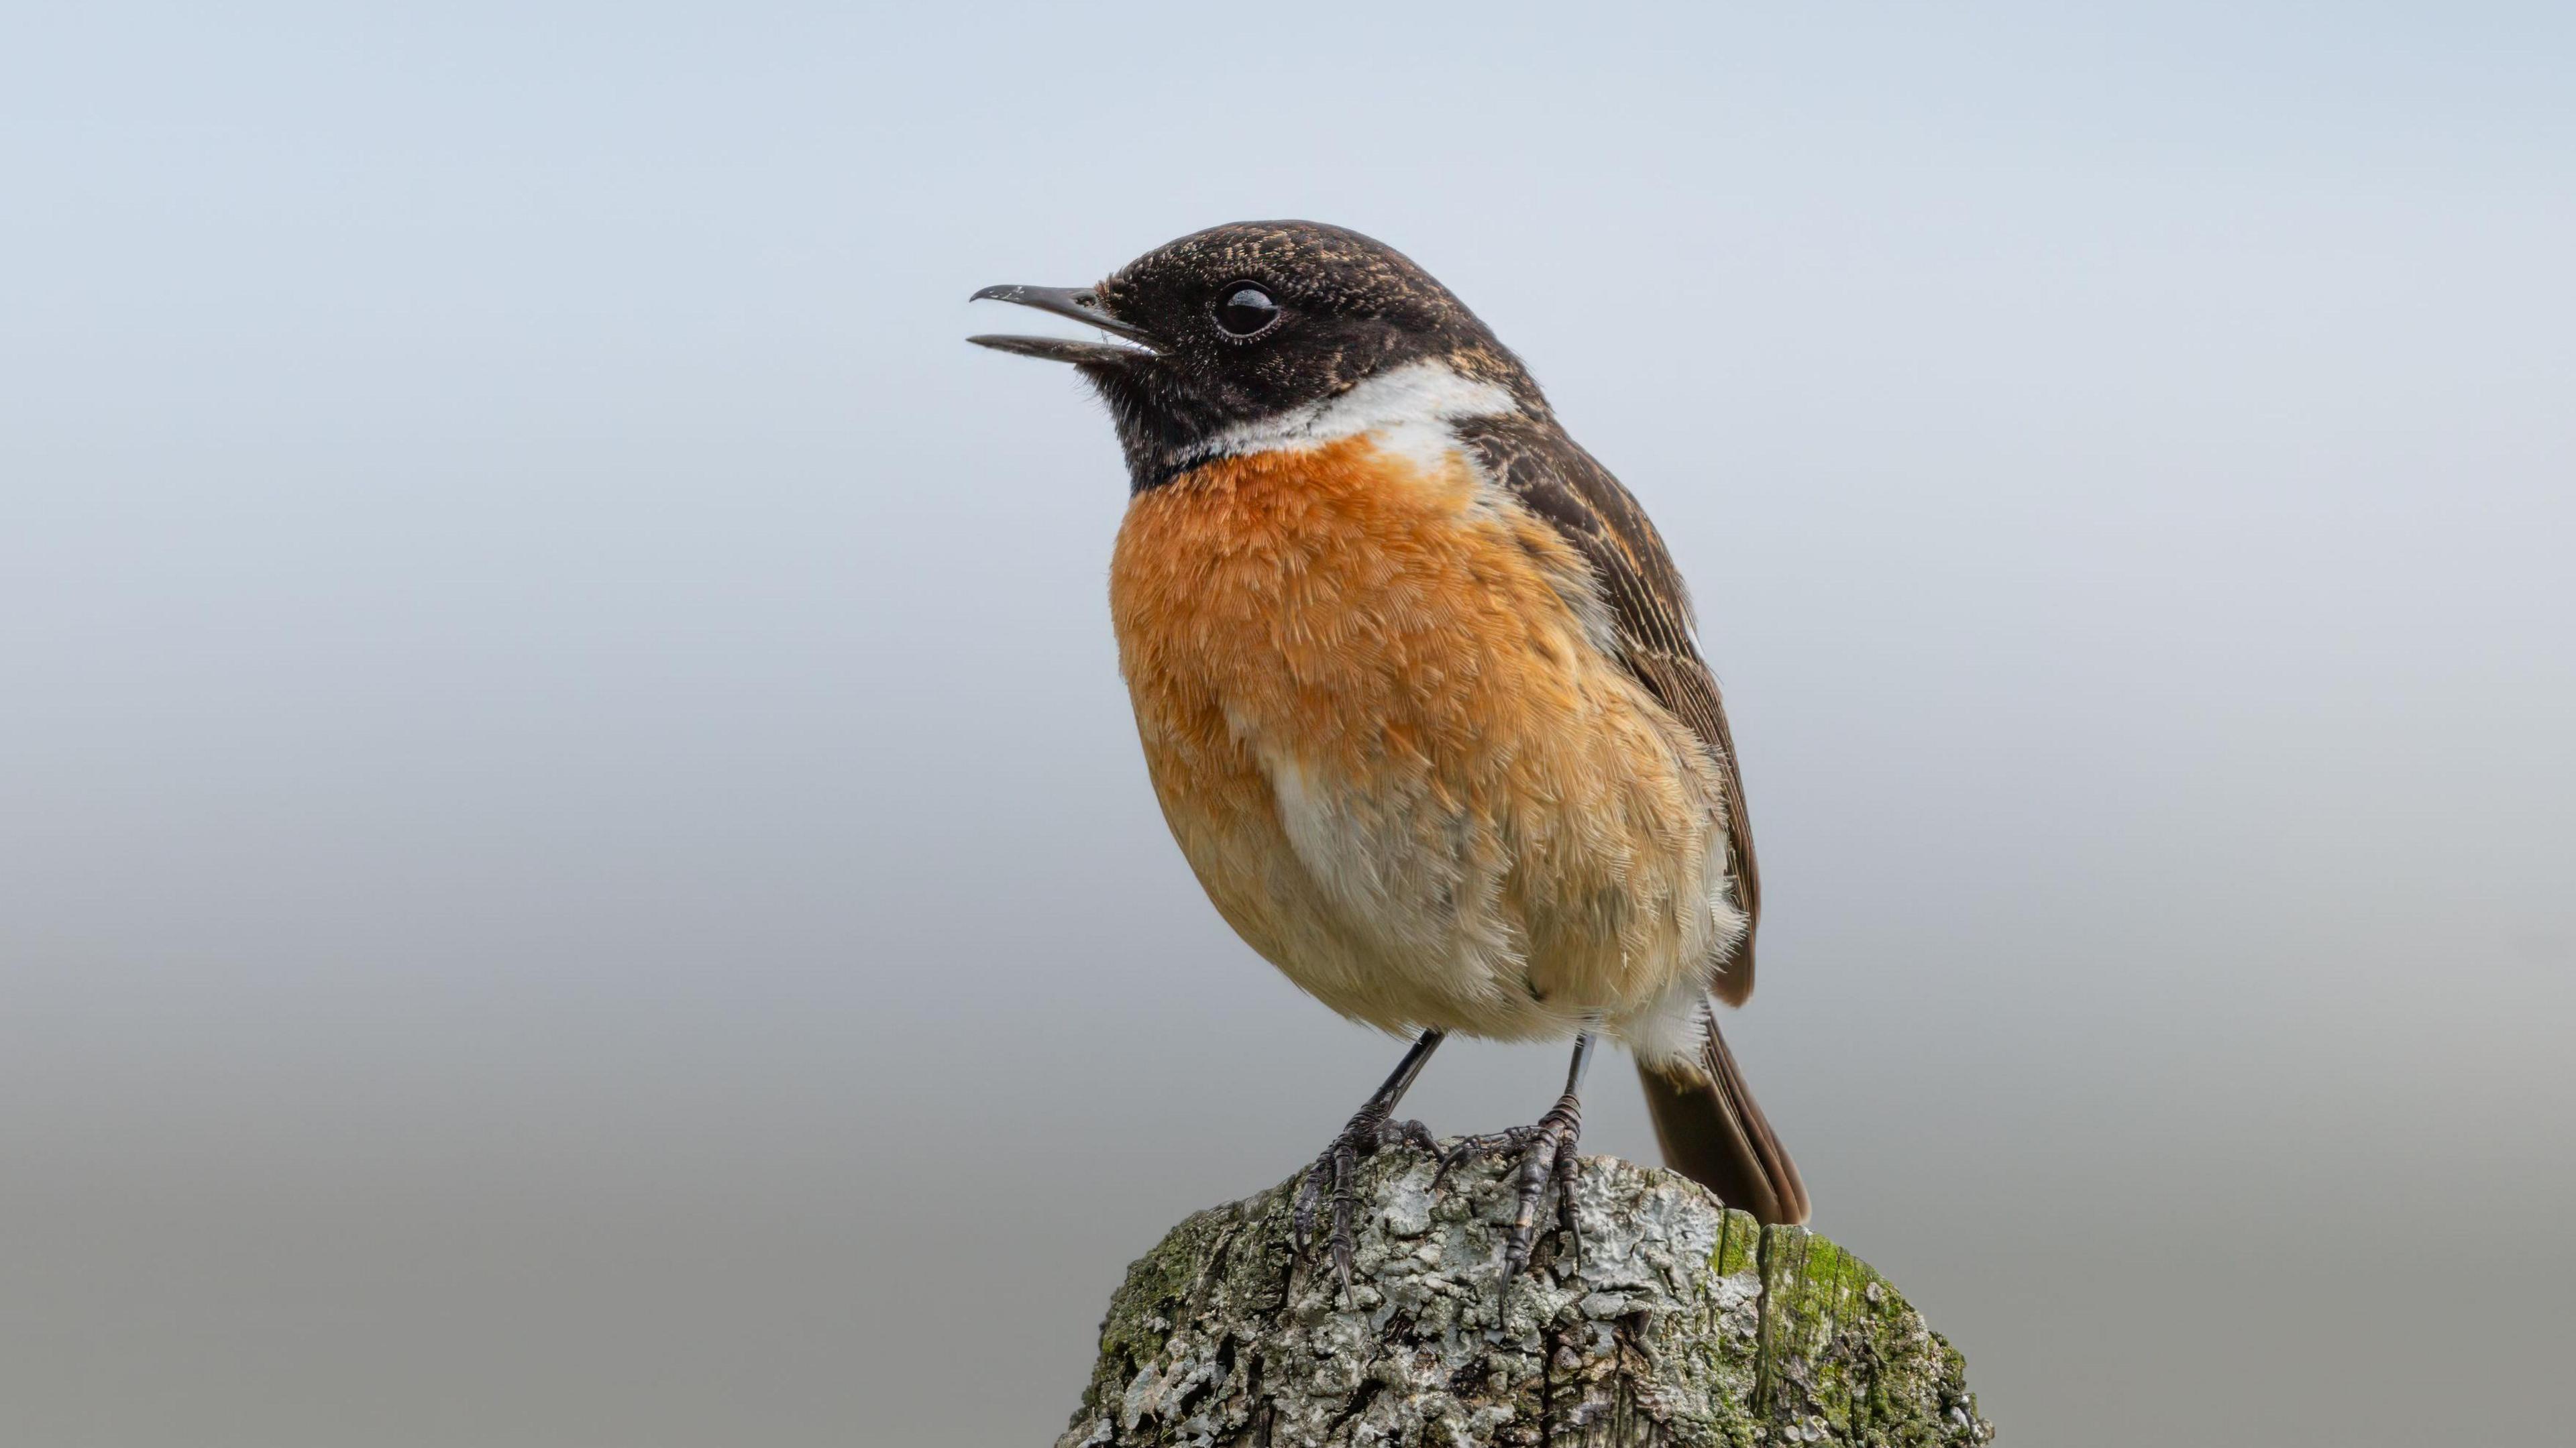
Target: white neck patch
{"points": [[1408, 410]]}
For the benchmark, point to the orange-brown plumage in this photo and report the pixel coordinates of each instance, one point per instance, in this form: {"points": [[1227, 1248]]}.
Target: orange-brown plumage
{"points": [[1391, 746]]}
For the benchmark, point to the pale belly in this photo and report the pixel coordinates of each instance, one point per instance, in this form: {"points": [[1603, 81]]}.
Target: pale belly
{"points": [[1399, 765]]}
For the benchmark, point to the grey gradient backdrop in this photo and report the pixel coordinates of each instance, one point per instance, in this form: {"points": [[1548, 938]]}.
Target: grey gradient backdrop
{"points": [[573, 865]]}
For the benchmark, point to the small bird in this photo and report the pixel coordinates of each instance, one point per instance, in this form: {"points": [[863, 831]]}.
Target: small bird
{"points": [[1419, 695]]}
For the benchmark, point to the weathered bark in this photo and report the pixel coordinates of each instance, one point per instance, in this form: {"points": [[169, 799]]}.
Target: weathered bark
{"points": [[1683, 1323]]}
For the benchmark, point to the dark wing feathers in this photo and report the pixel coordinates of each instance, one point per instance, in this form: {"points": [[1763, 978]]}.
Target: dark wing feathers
{"points": [[1564, 485]]}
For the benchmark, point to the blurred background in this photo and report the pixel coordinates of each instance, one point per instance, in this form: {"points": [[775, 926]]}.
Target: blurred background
{"points": [[574, 869]]}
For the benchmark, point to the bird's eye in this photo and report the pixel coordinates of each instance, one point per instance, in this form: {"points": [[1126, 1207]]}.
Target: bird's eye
{"points": [[1245, 311]]}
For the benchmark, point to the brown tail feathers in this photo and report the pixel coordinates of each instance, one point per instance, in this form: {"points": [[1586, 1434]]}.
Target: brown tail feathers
{"points": [[1713, 1133]]}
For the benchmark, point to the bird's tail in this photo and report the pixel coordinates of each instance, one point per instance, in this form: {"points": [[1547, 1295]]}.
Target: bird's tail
{"points": [[1713, 1133]]}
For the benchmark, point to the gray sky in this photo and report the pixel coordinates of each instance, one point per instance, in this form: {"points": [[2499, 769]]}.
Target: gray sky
{"points": [[573, 865]]}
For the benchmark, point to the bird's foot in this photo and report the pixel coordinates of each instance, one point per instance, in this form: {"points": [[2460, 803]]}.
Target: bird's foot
{"points": [[1546, 1152], [1335, 1174]]}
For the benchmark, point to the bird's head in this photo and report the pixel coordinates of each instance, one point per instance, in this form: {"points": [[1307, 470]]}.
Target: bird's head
{"points": [[1249, 335]]}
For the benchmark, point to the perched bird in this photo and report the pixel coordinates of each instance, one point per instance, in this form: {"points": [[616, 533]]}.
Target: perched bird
{"points": [[1418, 692]]}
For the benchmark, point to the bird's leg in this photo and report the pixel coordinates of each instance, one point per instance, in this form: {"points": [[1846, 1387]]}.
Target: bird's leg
{"points": [[1546, 1155], [1337, 1170]]}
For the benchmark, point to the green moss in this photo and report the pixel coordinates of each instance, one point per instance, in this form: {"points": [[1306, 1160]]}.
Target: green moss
{"points": [[1739, 1239], [1154, 1300]]}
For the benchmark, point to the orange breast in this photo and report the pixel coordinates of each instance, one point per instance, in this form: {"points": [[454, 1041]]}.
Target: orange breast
{"points": [[1397, 762]]}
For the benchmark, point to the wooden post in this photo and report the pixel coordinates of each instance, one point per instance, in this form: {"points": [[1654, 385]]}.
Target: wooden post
{"points": [[1682, 1323]]}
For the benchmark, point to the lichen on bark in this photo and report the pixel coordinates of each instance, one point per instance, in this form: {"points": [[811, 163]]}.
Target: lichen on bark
{"points": [[1682, 1323]]}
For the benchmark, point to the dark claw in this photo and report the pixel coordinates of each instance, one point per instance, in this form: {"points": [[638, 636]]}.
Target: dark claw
{"points": [[1565, 1160], [1547, 1156], [1338, 1170]]}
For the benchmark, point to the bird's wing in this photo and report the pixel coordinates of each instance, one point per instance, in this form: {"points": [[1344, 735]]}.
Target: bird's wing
{"points": [[1566, 487]]}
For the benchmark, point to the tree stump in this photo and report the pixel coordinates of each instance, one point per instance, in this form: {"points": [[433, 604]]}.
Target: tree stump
{"points": [[1682, 1323]]}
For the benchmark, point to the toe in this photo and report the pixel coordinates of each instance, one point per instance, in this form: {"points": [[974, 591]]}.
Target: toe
{"points": [[1310, 1196], [1408, 1133]]}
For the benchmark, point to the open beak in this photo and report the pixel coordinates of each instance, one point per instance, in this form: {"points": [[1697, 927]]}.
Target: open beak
{"points": [[1080, 304]]}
